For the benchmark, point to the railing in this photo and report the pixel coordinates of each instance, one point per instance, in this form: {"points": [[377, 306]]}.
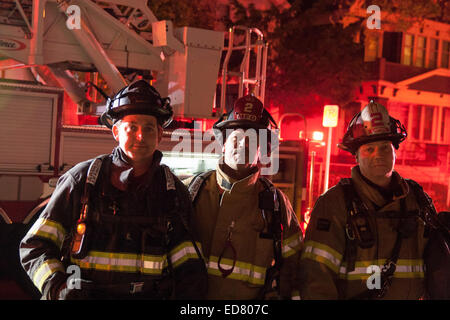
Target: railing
{"points": [[259, 80]]}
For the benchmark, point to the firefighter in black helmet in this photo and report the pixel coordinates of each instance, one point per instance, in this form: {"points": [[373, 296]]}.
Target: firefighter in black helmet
{"points": [[121, 219], [367, 235]]}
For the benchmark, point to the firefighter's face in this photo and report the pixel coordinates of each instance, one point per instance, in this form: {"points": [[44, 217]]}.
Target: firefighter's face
{"points": [[376, 159], [138, 136], [241, 150]]}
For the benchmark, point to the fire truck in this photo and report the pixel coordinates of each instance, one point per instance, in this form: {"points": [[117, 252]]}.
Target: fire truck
{"points": [[55, 52]]}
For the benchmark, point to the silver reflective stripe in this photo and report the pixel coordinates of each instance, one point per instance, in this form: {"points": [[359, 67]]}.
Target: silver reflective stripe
{"points": [[122, 262], [405, 269], [45, 270], [291, 245], [197, 182], [94, 170], [48, 229], [170, 182], [183, 252], [129, 262], [242, 271], [324, 254]]}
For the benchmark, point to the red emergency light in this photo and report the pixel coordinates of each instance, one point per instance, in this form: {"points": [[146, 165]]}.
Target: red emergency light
{"points": [[317, 136]]}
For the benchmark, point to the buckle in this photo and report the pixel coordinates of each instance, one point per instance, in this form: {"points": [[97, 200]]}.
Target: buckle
{"points": [[136, 287]]}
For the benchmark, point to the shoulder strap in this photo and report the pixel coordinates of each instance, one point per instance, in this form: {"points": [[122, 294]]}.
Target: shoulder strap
{"points": [[349, 192], [91, 179], [428, 212], [197, 182], [78, 243], [359, 230], [268, 185], [170, 181], [269, 203], [426, 207], [351, 243], [171, 189]]}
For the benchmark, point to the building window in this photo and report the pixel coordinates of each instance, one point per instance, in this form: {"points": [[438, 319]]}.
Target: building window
{"points": [[445, 126], [433, 53], [445, 54], [420, 52], [371, 47], [427, 123], [415, 122], [399, 111], [392, 46], [424, 126], [408, 47]]}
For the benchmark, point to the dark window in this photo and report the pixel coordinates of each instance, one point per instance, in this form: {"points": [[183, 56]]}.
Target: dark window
{"points": [[392, 46], [445, 54], [428, 123], [445, 126], [433, 55], [415, 122]]}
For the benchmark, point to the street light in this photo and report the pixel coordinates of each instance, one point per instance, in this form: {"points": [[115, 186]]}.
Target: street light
{"points": [[330, 120], [317, 136]]}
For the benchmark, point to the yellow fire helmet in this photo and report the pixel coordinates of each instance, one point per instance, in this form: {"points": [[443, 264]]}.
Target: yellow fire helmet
{"points": [[372, 124]]}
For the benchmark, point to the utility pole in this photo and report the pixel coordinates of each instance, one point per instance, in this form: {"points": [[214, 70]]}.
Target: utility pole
{"points": [[330, 120]]}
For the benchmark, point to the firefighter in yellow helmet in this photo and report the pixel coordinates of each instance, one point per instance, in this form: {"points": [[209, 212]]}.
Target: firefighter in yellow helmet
{"points": [[367, 235], [248, 231]]}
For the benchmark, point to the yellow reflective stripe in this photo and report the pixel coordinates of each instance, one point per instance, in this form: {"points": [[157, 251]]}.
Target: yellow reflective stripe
{"points": [[45, 270], [49, 229], [406, 268], [323, 254], [184, 252], [242, 271], [122, 262], [291, 245], [130, 262]]}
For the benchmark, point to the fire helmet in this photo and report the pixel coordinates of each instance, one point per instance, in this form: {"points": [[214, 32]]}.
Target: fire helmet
{"points": [[248, 113], [372, 124], [138, 97]]}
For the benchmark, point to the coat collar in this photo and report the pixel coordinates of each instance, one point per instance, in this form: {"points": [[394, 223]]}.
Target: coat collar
{"points": [[123, 170], [400, 186], [229, 184]]}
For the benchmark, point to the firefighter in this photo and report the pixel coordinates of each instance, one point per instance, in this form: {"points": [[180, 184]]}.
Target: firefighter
{"points": [[117, 226], [367, 234], [249, 233]]}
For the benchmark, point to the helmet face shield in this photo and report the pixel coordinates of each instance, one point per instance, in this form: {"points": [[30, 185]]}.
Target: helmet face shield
{"points": [[137, 98], [372, 124]]}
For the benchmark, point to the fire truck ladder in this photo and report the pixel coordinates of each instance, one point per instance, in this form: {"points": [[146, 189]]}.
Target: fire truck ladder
{"points": [[17, 13], [259, 80], [92, 47]]}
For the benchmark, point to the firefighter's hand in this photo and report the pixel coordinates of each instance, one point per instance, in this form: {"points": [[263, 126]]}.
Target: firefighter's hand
{"points": [[76, 292]]}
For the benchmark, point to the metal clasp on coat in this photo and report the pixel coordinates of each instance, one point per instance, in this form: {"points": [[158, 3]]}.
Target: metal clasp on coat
{"points": [[349, 232], [136, 287]]}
